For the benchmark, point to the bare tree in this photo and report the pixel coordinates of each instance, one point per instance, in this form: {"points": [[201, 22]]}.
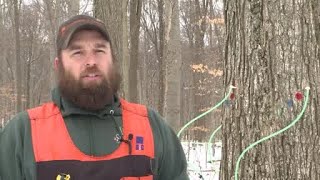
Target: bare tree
{"points": [[135, 15], [18, 75], [161, 51], [271, 56], [172, 59], [114, 14], [151, 57], [27, 32], [202, 35]]}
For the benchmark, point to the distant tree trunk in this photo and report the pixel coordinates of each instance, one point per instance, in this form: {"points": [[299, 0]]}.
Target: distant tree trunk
{"points": [[54, 17], [271, 55], [200, 99], [172, 59], [28, 73], [2, 55], [152, 26], [161, 7], [18, 74], [135, 14], [114, 14], [187, 111]]}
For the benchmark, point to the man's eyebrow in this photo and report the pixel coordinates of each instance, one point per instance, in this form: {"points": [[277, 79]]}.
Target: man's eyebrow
{"points": [[74, 47], [101, 45]]}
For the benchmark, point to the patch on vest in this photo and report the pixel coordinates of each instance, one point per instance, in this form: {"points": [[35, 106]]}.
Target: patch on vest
{"points": [[139, 143]]}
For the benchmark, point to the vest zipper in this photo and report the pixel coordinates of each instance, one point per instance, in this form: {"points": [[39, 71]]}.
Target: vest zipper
{"points": [[91, 138], [118, 128]]}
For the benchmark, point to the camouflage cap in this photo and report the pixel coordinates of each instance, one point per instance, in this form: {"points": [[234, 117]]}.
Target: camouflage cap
{"points": [[76, 23]]}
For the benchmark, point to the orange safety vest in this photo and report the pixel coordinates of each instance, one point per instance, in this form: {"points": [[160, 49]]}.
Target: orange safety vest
{"points": [[57, 157]]}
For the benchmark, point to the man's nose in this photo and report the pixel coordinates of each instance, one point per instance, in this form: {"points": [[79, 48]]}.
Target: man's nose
{"points": [[91, 60]]}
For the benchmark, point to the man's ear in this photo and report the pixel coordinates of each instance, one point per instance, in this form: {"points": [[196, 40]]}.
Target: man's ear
{"points": [[57, 63]]}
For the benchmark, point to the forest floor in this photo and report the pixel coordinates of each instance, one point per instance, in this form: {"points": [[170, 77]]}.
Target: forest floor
{"points": [[203, 163]]}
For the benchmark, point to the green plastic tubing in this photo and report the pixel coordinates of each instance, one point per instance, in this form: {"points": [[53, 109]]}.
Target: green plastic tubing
{"points": [[273, 134], [207, 112]]}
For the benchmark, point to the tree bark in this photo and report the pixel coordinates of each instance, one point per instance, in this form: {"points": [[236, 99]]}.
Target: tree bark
{"points": [[114, 14], [161, 59], [18, 74], [172, 59], [74, 6], [270, 56], [135, 15]]}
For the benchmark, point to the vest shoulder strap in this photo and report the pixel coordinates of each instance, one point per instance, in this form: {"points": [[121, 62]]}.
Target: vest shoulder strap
{"points": [[43, 112], [134, 108]]}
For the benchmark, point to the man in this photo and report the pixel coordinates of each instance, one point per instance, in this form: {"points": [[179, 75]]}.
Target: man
{"points": [[87, 131]]}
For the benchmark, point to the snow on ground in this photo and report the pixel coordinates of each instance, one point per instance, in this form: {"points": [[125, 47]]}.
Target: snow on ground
{"points": [[203, 163]]}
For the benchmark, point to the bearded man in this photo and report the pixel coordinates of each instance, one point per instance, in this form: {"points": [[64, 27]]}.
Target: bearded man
{"points": [[87, 132]]}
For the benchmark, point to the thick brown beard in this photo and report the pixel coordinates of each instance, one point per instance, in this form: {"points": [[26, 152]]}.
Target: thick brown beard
{"points": [[94, 97]]}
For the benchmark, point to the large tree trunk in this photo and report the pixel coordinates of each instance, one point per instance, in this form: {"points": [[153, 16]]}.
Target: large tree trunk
{"points": [[172, 59], [114, 14], [270, 55], [315, 13]]}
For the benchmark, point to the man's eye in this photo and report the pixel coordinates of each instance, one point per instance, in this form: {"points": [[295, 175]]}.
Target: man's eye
{"points": [[100, 51], [76, 52]]}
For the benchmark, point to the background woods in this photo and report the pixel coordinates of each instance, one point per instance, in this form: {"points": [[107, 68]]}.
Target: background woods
{"points": [[169, 52], [180, 57]]}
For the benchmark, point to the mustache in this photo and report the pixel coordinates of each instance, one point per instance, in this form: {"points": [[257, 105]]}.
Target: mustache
{"points": [[90, 70]]}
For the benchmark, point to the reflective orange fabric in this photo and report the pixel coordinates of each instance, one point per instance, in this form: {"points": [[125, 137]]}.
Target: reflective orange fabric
{"points": [[140, 178], [51, 140]]}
